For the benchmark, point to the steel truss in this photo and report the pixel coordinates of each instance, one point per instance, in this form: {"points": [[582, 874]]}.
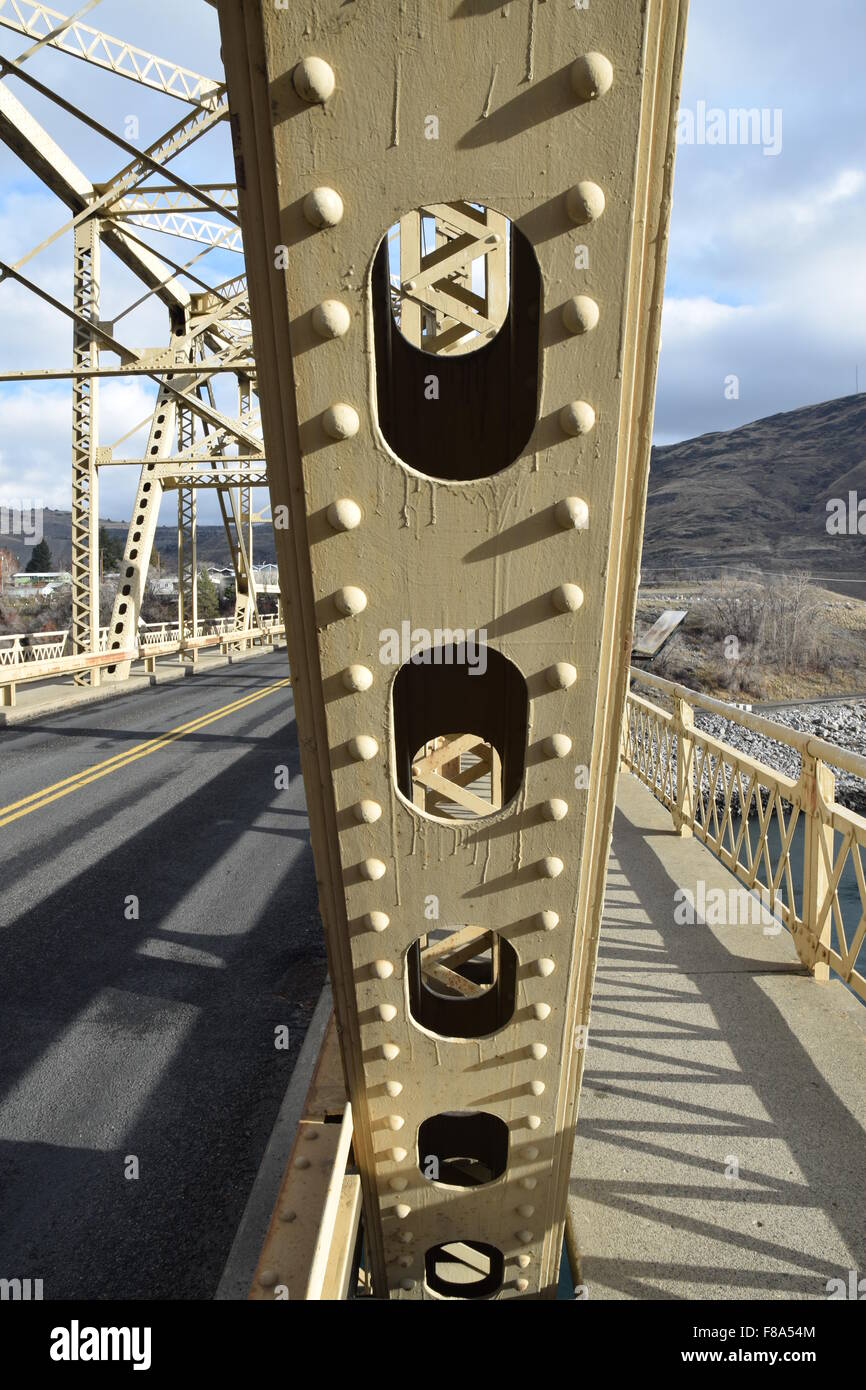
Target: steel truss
{"points": [[191, 443]]}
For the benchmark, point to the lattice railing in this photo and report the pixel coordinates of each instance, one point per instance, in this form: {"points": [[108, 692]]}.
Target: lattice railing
{"points": [[17, 648], [785, 838]]}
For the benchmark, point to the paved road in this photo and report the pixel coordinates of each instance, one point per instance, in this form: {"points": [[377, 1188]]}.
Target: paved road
{"points": [[152, 1037]]}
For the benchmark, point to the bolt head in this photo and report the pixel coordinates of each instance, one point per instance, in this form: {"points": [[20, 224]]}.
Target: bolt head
{"points": [[584, 203], [323, 207], [350, 600], [591, 76], [580, 314], [577, 418], [313, 79], [331, 318], [572, 514], [341, 421]]}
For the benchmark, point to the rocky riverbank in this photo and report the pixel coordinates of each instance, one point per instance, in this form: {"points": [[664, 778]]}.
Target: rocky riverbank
{"points": [[842, 724]]}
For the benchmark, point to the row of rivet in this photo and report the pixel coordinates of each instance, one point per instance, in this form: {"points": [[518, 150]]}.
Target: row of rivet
{"points": [[314, 80]]}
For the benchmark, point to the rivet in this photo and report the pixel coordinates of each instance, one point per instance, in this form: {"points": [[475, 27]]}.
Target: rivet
{"points": [[357, 678], [568, 598], [323, 207], [541, 1011], [537, 1088], [411, 286], [384, 969], [302, 1161], [331, 318], [402, 1209], [390, 1051], [313, 79], [526, 1211], [550, 866], [363, 747], [396, 1122], [584, 203], [576, 418], [580, 314], [387, 1012], [398, 1184], [529, 1183], [398, 1155], [342, 421], [350, 600], [591, 76], [288, 1216], [373, 870], [572, 514], [344, 514], [557, 746], [548, 921], [525, 1237], [534, 1121], [406, 1237], [561, 675], [311, 1134], [521, 1285], [393, 1088], [268, 1278], [367, 812], [405, 1261], [524, 1261], [538, 1050], [554, 809], [407, 1285], [530, 1152], [545, 966], [379, 921]]}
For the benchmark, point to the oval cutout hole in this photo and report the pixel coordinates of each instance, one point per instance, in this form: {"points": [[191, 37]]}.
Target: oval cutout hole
{"points": [[464, 1269], [456, 298], [462, 981], [463, 1149]]}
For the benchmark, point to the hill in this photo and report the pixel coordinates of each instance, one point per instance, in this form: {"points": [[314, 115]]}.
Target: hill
{"points": [[756, 497]]}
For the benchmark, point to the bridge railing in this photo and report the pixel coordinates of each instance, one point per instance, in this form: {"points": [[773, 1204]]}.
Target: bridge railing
{"points": [[787, 839], [46, 655], [19, 647]]}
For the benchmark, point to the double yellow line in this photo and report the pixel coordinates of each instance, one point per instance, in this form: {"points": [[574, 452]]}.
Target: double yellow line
{"points": [[16, 809]]}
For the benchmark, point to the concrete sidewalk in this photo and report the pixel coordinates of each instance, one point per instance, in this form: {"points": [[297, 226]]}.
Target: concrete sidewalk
{"points": [[36, 699], [712, 1053]]}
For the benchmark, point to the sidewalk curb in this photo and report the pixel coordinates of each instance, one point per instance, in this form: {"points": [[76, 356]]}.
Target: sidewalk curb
{"points": [[246, 1247]]}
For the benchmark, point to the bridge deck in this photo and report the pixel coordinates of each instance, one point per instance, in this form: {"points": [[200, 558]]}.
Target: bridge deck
{"points": [[709, 1044]]}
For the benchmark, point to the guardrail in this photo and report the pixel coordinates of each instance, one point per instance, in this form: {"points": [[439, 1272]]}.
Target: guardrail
{"points": [[747, 814], [38, 656]]}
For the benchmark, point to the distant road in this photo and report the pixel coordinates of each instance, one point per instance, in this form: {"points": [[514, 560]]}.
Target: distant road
{"points": [[148, 1039], [764, 705]]}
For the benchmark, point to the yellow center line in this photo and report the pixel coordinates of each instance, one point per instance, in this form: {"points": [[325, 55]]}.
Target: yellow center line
{"points": [[16, 809]]}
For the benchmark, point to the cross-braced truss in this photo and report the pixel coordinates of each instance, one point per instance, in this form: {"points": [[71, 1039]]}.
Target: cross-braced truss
{"points": [[191, 441]]}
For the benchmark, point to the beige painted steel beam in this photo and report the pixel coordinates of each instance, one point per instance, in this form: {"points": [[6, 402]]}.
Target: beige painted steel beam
{"points": [[93, 46], [500, 493]]}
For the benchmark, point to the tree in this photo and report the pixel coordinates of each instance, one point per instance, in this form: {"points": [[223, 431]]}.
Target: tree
{"points": [[41, 561], [111, 550], [208, 598]]}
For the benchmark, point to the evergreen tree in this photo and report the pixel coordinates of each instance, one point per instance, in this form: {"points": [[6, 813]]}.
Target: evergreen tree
{"points": [[208, 598], [111, 549], [41, 561]]}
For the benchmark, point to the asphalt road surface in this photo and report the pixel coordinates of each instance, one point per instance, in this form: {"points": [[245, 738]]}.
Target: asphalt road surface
{"points": [[146, 1043]]}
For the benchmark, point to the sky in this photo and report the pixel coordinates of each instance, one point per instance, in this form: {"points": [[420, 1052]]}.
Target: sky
{"points": [[765, 306]]}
